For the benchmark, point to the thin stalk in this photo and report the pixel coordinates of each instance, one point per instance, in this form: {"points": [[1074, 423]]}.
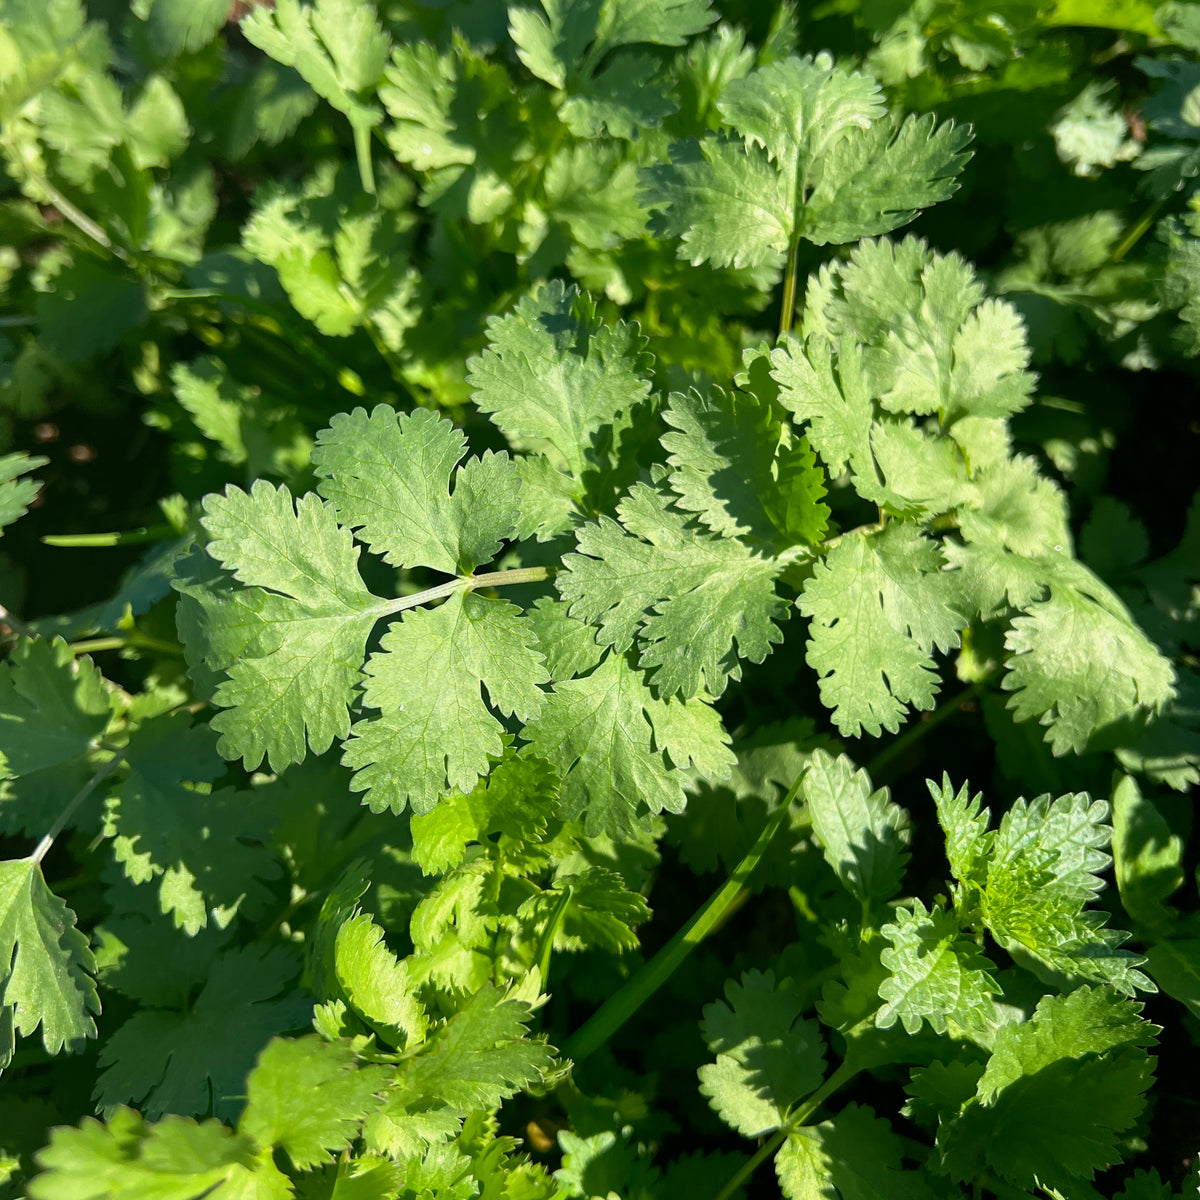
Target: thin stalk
{"points": [[507, 578], [80, 219], [127, 537], [362, 151], [43, 847], [462, 583], [751, 1165], [838, 1079], [789, 288], [546, 945], [17, 321], [615, 1011], [136, 641], [845, 1072], [1136, 232], [15, 623], [919, 729]]}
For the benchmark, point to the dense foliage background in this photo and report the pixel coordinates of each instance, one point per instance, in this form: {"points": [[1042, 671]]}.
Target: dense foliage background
{"points": [[222, 226]]}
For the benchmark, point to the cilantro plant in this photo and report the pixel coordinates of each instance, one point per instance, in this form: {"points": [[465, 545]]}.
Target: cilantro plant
{"points": [[574, 499]]}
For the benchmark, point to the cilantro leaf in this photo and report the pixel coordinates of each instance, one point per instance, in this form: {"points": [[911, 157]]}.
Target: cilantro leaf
{"points": [[862, 833], [551, 41], [553, 371], [856, 1154], [310, 1098], [291, 641], [1080, 664], [1063, 1086], [736, 468], [687, 597], [767, 1057], [879, 604], [377, 986], [201, 846], [387, 476], [17, 494], [936, 974], [933, 343], [176, 1159], [185, 1061], [514, 801], [1032, 879], [821, 161], [52, 708], [617, 746], [435, 731], [46, 966], [335, 45], [478, 1058]]}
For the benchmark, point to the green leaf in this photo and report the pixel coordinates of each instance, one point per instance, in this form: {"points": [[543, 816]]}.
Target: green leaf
{"points": [[1175, 965], [17, 494], [480, 1057], [192, 1060], [736, 468], [551, 42], [688, 598], [855, 1156], [622, 100], [880, 603], [309, 1097], [176, 1159], [292, 653], [52, 708], [206, 849], [46, 967], [335, 45], [618, 747], [1147, 856], [821, 161], [388, 474], [881, 180], [600, 912], [514, 801], [965, 825], [1015, 528], [1058, 1092], [553, 371], [1043, 870], [767, 1057], [862, 833], [435, 731], [937, 974], [183, 26], [1080, 664], [377, 986], [933, 343]]}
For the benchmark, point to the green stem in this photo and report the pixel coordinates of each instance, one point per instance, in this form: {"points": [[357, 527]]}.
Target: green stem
{"points": [[78, 217], [129, 537], [751, 1165], [362, 151], [615, 1011], [462, 583], [789, 288], [1136, 232], [845, 1072], [546, 945], [919, 729], [15, 623], [838, 1079], [43, 847], [135, 641]]}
